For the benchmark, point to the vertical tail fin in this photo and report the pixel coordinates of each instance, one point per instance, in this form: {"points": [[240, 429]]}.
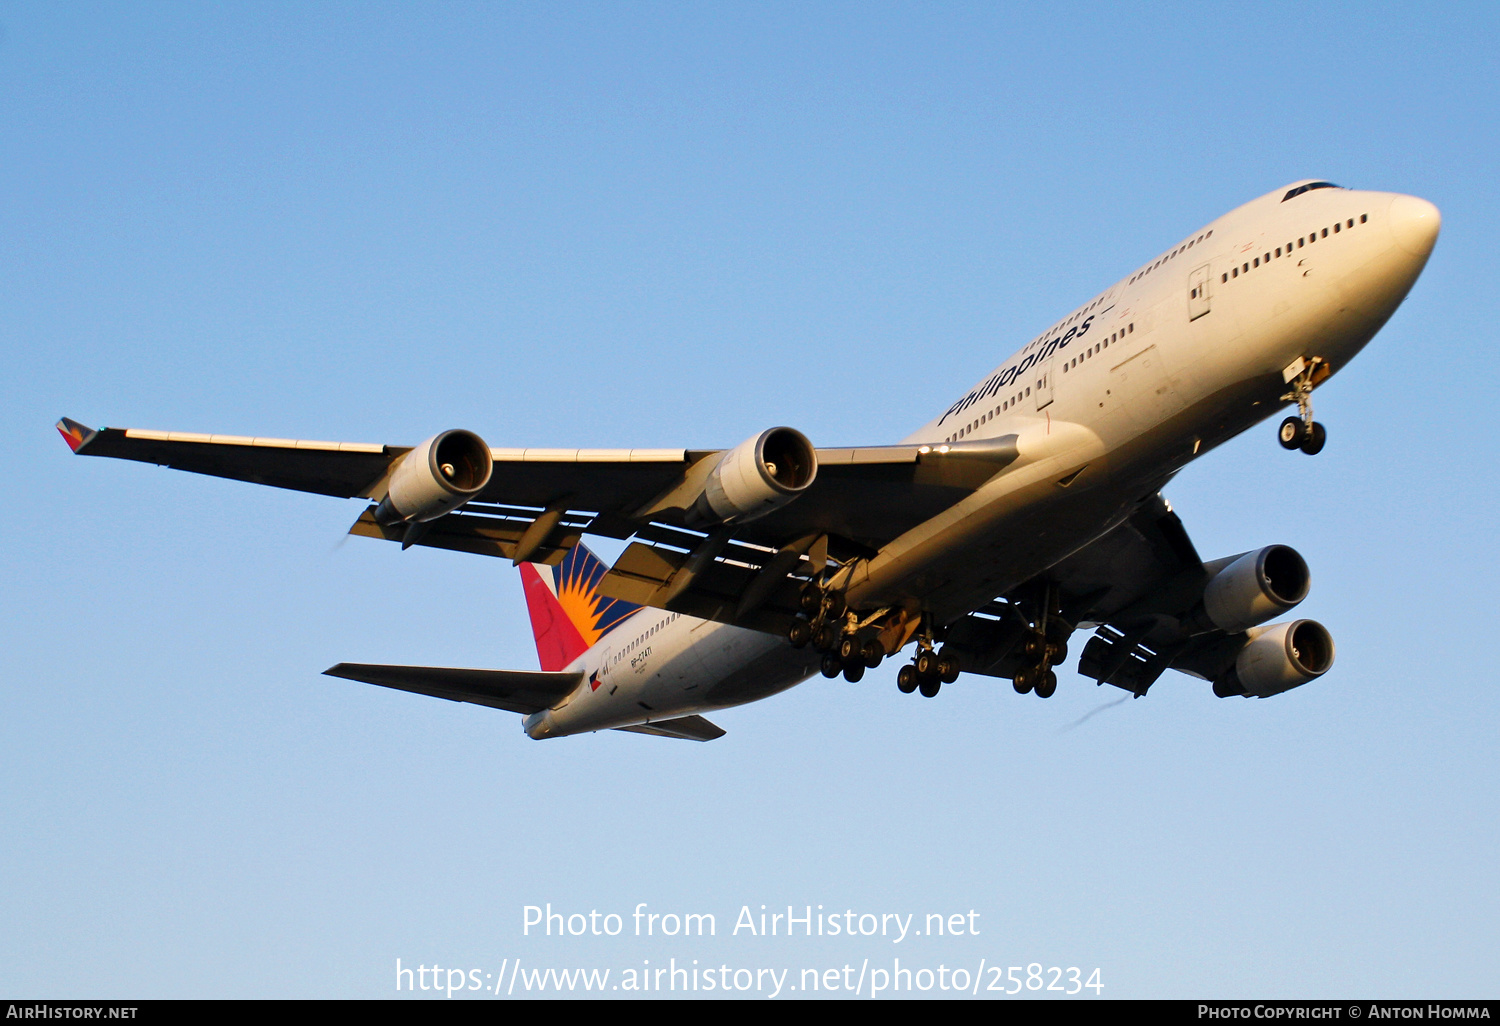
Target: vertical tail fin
{"points": [[568, 615]]}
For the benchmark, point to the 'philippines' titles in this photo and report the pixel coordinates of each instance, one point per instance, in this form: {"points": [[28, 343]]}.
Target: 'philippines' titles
{"points": [[1005, 375]]}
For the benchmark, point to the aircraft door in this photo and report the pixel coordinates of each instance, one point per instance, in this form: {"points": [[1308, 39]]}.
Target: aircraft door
{"points": [[1198, 292], [1043, 376]]}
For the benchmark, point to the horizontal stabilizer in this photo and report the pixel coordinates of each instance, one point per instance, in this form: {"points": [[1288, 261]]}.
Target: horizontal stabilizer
{"points": [[689, 728], [517, 691]]}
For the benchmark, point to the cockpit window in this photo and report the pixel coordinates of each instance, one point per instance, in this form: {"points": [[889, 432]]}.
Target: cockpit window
{"points": [[1299, 190]]}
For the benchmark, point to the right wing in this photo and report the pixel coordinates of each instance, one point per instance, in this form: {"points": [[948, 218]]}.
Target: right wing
{"points": [[1140, 587]]}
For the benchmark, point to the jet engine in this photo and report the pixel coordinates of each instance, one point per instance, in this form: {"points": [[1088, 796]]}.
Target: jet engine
{"points": [[757, 476], [1278, 658], [435, 478], [1251, 588]]}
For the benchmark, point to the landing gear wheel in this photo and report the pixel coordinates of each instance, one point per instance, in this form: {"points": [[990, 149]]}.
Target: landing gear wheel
{"points": [[1023, 682], [1313, 443], [826, 638], [947, 667], [799, 633], [851, 649], [930, 687], [927, 663], [906, 679], [874, 653], [831, 666], [853, 672], [1292, 434], [1046, 687]]}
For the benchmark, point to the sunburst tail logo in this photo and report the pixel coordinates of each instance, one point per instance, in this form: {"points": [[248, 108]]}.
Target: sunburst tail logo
{"points": [[568, 615]]}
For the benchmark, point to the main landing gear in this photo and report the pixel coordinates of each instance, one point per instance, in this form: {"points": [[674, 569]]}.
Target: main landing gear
{"points": [[1301, 431], [832, 630], [852, 643], [1044, 645], [929, 671], [1036, 673]]}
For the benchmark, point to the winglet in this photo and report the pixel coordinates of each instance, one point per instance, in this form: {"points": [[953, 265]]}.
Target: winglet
{"points": [[74, 433]]}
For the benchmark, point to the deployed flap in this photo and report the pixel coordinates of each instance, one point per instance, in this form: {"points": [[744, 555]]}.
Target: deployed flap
{"points": [[517, 691], [689, 728], [485, 535]]}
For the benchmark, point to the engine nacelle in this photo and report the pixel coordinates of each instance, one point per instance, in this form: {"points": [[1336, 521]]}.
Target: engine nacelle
{"points": [[1253, 587], [757, 476], [1278, 658], [436, 477]]}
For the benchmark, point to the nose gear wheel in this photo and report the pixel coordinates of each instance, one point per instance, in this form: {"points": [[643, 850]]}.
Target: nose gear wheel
{"points": [[1301, 431]]}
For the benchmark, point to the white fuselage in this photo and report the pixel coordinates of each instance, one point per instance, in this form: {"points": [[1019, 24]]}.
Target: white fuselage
{"points": [[1106, 405]]}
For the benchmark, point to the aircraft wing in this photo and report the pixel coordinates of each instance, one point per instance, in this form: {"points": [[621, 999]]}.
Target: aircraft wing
{"points": [[344, 469], [1138, 587], [539, 502]]}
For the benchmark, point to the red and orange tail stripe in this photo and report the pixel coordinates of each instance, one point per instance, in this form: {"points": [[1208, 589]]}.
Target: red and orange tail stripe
{"points": [[568, 615]]}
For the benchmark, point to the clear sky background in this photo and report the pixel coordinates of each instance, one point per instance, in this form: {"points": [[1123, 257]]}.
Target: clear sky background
{"points": [[666, 225]]}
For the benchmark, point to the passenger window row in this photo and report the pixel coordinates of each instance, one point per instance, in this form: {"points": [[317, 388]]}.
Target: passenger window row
{"points": [[1308, 240], [1189, 244], [1098, 348]]}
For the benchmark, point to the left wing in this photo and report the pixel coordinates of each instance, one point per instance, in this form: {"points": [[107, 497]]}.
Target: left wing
{"points": [[535, 504]]}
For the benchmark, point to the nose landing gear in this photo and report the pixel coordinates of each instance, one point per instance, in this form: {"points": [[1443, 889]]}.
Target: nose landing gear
{"points": [[1301, 431]]}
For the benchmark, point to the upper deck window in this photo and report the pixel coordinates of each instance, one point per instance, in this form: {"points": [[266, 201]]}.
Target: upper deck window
{"points": [[1299, 190]]}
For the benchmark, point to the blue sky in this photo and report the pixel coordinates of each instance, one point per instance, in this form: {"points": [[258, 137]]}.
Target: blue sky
{"points": [[663, 225]]}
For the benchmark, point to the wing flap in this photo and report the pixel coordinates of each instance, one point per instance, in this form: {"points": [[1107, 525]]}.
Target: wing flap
{"points": [[517, 691], [466, 532]]}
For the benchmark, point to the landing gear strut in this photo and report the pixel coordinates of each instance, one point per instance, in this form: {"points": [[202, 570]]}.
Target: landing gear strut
{"points": [[1301, 431]]}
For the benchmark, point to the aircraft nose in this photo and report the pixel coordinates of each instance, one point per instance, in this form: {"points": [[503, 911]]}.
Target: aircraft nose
{"points": [[1415, 223]]}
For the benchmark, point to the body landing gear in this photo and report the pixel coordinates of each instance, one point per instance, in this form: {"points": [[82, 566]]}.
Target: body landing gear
{"points": [[1301, 431], [1044, 646], [928, 672]]}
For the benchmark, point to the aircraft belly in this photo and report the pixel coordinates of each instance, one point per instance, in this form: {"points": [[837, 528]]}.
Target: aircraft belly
{"points": [[775, 668], [751, 666]]}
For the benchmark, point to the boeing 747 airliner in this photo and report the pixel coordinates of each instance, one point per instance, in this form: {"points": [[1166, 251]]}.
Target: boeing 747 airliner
{"points": [[1028, 510]]}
